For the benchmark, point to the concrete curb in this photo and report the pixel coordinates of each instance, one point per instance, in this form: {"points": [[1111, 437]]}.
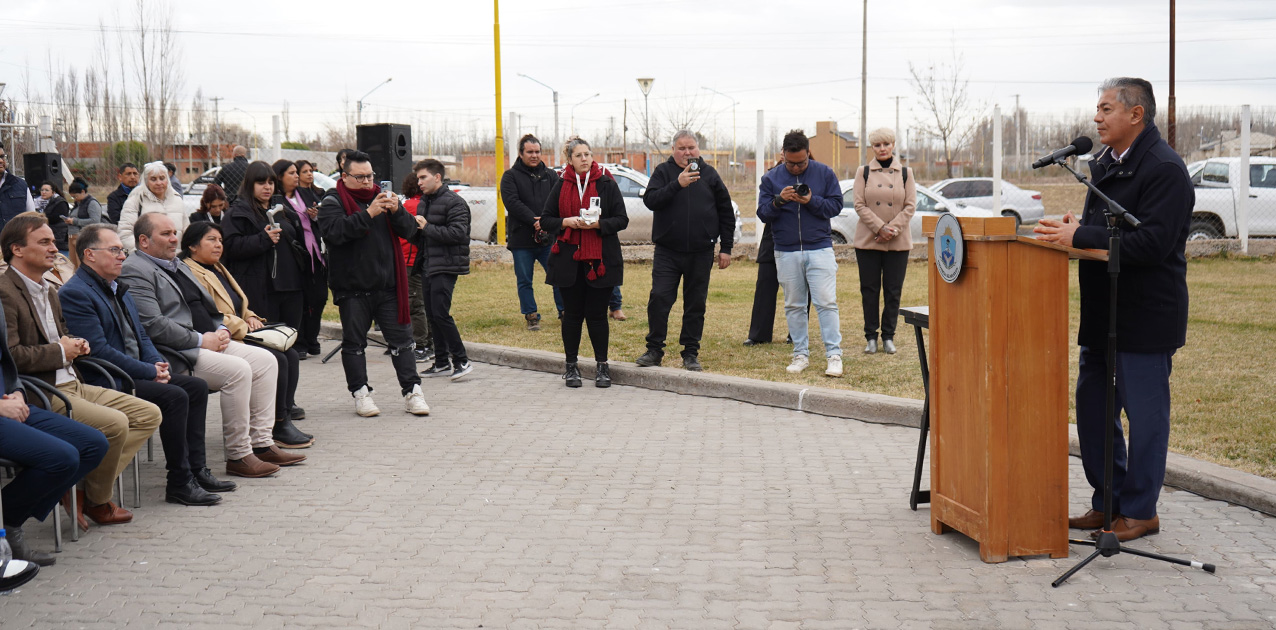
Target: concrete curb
{"points": [[1198, 477]]}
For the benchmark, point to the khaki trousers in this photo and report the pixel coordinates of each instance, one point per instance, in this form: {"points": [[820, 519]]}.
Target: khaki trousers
{"points": [[126, 421], [247, 379]]}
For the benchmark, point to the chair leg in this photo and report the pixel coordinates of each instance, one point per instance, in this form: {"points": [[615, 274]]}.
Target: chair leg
{"points": [[119, 489], [150, 449], [137, 481], [75, 509], [57, 528]]}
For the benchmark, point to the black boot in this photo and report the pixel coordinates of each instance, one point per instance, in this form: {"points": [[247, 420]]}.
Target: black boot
{"points": [[287, 435], [204, 477], [650, 358], [23, 551], [572, 375], [603, 377], [296, 413]]}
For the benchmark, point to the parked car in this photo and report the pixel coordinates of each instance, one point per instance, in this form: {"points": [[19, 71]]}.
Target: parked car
{"points": [[1024, 205], [928, 203], [632, 184], [1216, 183]]}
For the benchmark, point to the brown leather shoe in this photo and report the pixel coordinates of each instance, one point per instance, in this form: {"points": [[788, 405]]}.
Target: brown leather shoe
{"points": [[275, 456], [108, 513], [1090, 520], [250, 466], [1127, 529], [618, 315], [79, 508]]}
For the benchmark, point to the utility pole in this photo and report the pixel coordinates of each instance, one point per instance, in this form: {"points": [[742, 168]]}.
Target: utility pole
{"points": [[1018, 137], [217, 122], [556, 145], [1171, 117], [499, 158], [864, 90], [624, 135], [898, 133]]}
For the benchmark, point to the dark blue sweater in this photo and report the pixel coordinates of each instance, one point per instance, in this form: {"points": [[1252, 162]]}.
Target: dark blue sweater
{"points": [[795, 226]]}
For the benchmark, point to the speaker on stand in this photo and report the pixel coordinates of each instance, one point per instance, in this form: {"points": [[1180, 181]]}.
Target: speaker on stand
{"points": [[390, 147]]}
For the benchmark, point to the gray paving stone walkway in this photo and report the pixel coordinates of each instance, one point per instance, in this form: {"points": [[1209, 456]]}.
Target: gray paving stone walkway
{"points": [[520, 504]]}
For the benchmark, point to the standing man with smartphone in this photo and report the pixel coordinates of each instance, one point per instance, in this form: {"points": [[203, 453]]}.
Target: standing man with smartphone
{"points": [[445, 254], [368, 280], [691, 211]]}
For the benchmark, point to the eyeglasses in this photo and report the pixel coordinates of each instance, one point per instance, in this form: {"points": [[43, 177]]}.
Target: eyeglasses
{"points": [[797, 164], [115, 251], [362, 178]]}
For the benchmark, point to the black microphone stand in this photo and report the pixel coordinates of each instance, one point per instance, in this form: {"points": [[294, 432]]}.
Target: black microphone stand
{"points": [[1107, 545]]}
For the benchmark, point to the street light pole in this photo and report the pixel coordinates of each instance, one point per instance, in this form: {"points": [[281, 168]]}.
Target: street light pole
{"points": [[864, 90], [578, 105], [644, 84], [555, 142], [358, 116], [217, 122], [733, 104]]}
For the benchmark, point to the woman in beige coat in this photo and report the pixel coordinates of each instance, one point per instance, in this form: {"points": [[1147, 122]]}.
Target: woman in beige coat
{"points": [[885, 200]]}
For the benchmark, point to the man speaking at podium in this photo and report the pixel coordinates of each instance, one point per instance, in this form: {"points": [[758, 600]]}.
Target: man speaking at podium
{"points": [[1140, 171]]}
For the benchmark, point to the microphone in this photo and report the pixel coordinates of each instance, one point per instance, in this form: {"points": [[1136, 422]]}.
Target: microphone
{"points": [[1079, 146]]}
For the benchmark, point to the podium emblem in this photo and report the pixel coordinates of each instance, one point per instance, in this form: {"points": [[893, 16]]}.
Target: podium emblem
{"points": [[950, 249]]}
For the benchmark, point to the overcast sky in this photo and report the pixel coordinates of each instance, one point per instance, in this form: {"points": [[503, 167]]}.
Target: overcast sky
{"points": [[793, 60]]}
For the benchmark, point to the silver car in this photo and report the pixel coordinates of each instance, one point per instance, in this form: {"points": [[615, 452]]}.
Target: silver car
{"points": [[1024, 205], [928, 204]]}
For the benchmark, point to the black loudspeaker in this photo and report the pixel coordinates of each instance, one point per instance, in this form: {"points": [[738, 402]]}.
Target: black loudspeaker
{"points": [[38, 168], [390, 147]]}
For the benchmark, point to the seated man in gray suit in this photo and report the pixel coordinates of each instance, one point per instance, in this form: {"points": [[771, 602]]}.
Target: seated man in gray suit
{"points": [[179, 315]]}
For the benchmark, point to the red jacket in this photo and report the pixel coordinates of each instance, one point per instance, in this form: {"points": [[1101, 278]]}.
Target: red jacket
{"points": [[409, 249]]}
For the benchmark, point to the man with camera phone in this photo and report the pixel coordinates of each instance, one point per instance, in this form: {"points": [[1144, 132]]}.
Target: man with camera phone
{"points": [[524, 189], [691, 210], [796, 199]]}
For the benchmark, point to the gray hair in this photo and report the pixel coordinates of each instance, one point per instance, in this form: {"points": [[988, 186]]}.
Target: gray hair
{"points": [[683, 133], [1132, 92], [91, 237], [571, 145], [154, 167]]}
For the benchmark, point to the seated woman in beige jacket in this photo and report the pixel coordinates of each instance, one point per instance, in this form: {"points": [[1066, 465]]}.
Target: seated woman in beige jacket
{"points": [[202, 252], [885, 201]]}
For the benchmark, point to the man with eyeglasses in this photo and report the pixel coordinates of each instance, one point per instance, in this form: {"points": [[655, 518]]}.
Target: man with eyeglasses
{"points": [[368, 279], [796, 200], [15, 195], [100, 310]]}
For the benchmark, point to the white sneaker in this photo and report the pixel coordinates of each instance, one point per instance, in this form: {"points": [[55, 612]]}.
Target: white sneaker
{"points": [[800, 362], [414, 402], [835, 367], [363, 404]]}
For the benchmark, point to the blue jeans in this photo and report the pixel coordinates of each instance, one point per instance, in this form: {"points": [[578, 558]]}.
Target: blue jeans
{"points": [[524, 265], [615, 302], [1143, 391], [810, 273], [55, 452]]}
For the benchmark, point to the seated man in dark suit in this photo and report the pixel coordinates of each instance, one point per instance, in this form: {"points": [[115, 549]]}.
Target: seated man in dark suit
{"points": [[54, 451], [41, 348], [100, 310]]}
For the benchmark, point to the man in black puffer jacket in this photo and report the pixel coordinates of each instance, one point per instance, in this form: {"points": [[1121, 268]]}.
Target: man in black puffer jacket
{"points": [[369, 280], [691, 210], [444, 255], [524, 189]]}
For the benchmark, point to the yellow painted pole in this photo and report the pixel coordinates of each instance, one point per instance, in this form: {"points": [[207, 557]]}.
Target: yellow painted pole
{"points": [[500, 133]]}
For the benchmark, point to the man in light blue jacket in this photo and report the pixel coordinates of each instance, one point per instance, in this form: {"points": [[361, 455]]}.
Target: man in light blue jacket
{"points": [[797, 199]]}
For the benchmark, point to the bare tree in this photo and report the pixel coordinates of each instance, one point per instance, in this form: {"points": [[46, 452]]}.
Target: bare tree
{"points": [[286, 122], [197, 122], [948, 112], [92, 103]]}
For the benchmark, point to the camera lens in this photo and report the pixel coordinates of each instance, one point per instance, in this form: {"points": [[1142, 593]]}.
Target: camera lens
{"points": [[802, 190], [695, 165]]}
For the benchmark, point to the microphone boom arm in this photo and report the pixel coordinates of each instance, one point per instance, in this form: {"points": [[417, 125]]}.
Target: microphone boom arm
{"points": [[1114, 208]]}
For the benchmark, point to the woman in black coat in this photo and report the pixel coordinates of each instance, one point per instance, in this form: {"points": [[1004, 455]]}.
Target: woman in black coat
{"points": [[261, 254], [586, 212], [57, 210], [314, 288]]}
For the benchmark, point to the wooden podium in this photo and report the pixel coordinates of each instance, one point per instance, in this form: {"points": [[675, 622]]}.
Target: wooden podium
{"points": [[999, 348]]}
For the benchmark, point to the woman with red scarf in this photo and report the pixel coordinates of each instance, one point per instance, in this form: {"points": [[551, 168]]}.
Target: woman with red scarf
{"points": [[586, 212]]}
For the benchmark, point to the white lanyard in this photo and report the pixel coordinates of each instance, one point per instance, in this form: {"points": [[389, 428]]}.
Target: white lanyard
{"points": [[580, 192]]}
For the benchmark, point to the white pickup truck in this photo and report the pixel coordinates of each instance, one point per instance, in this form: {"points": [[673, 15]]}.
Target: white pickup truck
{"points": [[1217, 186], [632, 185]]}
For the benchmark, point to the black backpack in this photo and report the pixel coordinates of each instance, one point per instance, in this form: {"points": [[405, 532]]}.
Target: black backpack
{"points": [[902, 169]]}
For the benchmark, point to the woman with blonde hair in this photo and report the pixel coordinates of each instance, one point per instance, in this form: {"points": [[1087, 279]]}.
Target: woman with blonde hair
{"points": [[885, 199], [585, 212], [155, 195]]}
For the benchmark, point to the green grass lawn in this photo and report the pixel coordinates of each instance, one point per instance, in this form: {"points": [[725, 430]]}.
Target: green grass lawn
{"points": [[1224, 383]]}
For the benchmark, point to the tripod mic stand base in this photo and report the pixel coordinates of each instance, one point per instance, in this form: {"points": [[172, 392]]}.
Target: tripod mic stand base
{"points": [[1107, 546]]}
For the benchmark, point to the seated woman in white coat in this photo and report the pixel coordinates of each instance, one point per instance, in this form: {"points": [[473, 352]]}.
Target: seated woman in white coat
{"points": [[156, 195]]}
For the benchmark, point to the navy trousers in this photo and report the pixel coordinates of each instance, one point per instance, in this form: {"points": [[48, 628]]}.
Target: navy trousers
{"points": [[55, 452], [1143, 391]]}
